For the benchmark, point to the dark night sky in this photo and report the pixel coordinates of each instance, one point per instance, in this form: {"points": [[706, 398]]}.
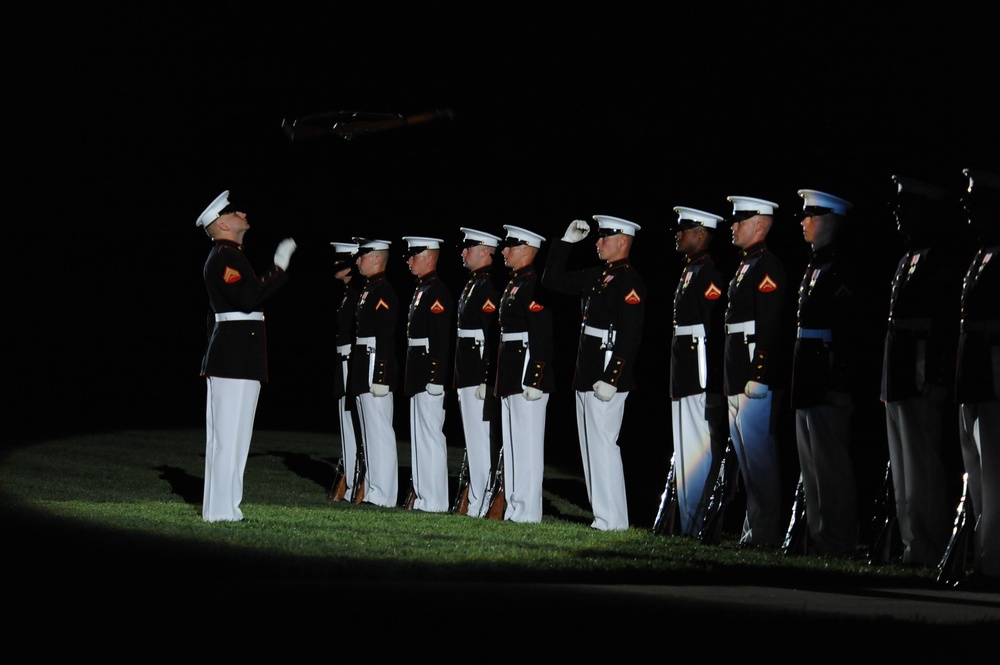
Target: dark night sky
{"points": [[127, 125]]}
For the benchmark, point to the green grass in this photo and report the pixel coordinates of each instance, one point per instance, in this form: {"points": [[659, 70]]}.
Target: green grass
{"points": [[145, 487]]}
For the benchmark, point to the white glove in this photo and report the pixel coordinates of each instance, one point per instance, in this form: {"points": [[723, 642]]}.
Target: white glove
{"points": [[435, 389], [576, 231], [755, 390], [283, 254], [604, 391], [380, 389], [481, 391], [532, 394]]}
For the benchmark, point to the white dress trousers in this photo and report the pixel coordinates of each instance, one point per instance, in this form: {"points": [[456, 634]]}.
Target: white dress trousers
{"points": [[979, 430], [477, 447], [757, 453], [924, 512], [598, 424], [348, 440], [523, 456], [693, 463], [379, 440], [229, 415], [428, 453]]}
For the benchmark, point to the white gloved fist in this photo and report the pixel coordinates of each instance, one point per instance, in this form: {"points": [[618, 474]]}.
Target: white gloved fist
{"points": [[604, 391], [481, 391], [435, 389], [755, 390], [576, 231], [283, 254], [380, 389], [532, 394]]}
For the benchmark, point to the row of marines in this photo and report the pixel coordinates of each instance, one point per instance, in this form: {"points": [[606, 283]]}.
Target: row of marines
{"points": [[723, 366]]}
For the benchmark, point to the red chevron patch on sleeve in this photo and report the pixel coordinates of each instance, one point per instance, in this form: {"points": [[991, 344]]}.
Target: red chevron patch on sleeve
{"points": [[712, 292], [231, 276], [632, 298], [767, 285], [381, 304], [488, 306], [437, 307], [535, 307]]}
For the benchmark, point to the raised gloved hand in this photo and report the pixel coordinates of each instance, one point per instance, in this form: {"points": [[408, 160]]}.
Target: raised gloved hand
{"points": [[604, 391], [531, 394], [380, 389], [755, 390], [283, 254], [435, 389], [481, 391], [576, 231]]}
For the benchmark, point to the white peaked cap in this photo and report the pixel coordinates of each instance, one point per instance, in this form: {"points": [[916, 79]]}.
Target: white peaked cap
{"points": [[928, 191], [816, 199], [748, 204], [616, 224], [531, 238], [345, 247], [481, 237], [419, 241], [697, 217], [372, 245], [211, 213]]}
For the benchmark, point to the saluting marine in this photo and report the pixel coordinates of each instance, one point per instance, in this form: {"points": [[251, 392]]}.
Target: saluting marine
{"points": [[614, 302]]}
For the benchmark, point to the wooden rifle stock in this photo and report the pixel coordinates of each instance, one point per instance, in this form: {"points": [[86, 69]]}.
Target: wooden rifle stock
{"points": [[726, 486], [349, 124], [797, 536], [667, 517], [886, 541], [461, 504], [495, 503], [360, 470], [954, 565], [338, 490]]}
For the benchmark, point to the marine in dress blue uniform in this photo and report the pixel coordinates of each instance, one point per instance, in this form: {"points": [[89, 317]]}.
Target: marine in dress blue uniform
{"points": [[475, 363], [753, 320], [374, 372], [918, 370], [235, 362], [700, 420], [524, 376], [346, 271], [977, 384], [824, 375], [614, 301], [428, 353]]}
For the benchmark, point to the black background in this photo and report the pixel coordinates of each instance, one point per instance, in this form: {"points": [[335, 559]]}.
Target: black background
{"points": [[127, 123]]}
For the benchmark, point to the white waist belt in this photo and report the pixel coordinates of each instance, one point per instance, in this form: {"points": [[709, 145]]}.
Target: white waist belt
{"points": [[697, 330], [745, 327], [419, 341], [596, 332], [514, 337], [344, 349], [365, 341], [239, 316], [824, 334], [476, 333]]}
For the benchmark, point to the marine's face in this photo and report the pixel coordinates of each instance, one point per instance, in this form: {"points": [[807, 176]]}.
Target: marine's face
{"points": [[743, 231], [686, 241]]}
